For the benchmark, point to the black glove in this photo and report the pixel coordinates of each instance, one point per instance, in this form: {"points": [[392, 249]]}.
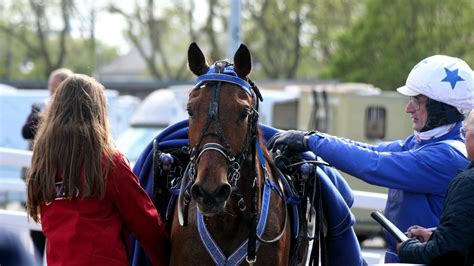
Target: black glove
{"points": [[293, 141]]}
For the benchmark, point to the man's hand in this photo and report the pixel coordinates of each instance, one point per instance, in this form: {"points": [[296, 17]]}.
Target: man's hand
{"points": [[292, 141], [419, 233]]}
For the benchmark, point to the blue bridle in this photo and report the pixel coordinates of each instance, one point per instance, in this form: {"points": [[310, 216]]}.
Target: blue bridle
{"points": [[227, 75]]}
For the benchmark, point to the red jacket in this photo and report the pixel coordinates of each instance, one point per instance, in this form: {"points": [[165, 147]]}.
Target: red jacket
{"points": [[95, 232]]}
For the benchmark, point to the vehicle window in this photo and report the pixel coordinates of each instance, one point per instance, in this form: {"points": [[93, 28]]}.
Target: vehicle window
{"points": [[375, 119]]}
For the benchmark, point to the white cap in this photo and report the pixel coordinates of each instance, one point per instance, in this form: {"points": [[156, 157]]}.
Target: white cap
{"points": [[443, 78]]}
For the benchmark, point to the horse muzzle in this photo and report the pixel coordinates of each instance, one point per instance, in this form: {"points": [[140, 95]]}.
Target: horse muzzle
{"points": [[211, 203]]}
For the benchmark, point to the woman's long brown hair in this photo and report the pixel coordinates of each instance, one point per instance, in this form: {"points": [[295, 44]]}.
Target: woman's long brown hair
{"points": [[72, 145]]}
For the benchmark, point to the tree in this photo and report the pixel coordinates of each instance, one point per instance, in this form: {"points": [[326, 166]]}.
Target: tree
{"points": [[35, 19], [160, 33], [278, 45], [328, 20], [290, 39], [35, 40], [386, 42]]}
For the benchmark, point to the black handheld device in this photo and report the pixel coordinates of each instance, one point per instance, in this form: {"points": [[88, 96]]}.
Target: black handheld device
{"points": [[389, 226]]}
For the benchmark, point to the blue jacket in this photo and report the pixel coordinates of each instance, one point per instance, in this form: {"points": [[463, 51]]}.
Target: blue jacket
{"points": [[417, 173]]}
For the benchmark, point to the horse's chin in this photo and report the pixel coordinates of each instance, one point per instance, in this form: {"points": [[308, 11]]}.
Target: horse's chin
{"points": [[210, 211]]}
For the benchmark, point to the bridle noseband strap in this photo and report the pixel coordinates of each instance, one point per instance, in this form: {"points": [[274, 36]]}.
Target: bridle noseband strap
{"points": [[216, 147]]}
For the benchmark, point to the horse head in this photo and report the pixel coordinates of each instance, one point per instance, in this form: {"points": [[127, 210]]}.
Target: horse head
{"points": [[222, 125]]}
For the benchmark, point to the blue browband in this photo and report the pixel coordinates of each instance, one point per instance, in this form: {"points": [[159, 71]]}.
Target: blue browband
{"points": [[228, 75]]}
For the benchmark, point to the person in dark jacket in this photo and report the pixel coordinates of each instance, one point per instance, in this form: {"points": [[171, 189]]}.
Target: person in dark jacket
{"points": [[453, 241], [28, 131], [416, 170]]}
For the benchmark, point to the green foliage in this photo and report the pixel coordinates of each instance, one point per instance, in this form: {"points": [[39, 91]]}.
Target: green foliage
{"points": [[82, 58], [13, 58], [291, 39], [273, 32], [79, 57], [35, 38], [392, 36]]}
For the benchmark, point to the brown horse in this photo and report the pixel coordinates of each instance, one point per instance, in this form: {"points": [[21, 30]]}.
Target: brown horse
{"points": [[223, 192]]}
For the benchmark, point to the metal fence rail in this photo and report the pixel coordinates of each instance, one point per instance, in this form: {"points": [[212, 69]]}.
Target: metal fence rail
{"points": [[17, 220], [15, 157]]}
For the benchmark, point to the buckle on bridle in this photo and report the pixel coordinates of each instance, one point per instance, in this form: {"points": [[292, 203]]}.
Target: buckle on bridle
{"points": [[251, 261]]}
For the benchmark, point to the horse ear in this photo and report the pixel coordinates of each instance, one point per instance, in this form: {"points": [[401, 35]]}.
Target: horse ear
{"points": [[242, 61], [196, 60]]}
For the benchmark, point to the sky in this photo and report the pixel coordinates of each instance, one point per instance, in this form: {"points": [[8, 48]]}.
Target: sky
{"points": [[109, 30]]}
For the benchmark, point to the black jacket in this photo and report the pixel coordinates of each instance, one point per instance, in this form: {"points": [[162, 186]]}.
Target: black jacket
{"points": [[453, 240], [28, 131]]}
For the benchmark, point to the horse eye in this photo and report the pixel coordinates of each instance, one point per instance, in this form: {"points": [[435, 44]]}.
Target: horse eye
{"points": [[244, 114]]}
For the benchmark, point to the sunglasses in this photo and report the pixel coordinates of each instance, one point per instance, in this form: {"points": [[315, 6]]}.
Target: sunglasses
{"points": [[416, 102]]}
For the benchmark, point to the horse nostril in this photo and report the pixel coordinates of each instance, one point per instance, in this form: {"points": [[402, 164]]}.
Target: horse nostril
{"points": [[196, 192], [223, 193]]}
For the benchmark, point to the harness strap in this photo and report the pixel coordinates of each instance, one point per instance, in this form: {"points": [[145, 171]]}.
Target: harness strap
{"points": [[252, 240], [185, 184], [294, 201], [277, 237], [318, 252], [239, 255], [261, 158], [275, 187]]}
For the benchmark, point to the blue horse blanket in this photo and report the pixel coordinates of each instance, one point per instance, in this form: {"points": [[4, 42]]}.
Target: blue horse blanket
{"points": [[341, 241]]}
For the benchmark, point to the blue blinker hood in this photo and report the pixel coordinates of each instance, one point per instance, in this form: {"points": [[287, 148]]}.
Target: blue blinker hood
{"points": [[227, 75]]}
